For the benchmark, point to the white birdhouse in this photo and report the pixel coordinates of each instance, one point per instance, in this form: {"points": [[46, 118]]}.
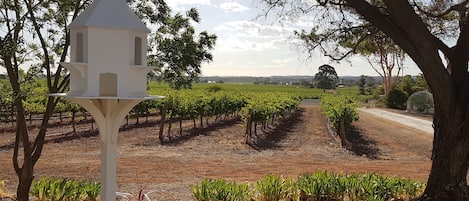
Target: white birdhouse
{"points": [[108, 52], [108, 74]]}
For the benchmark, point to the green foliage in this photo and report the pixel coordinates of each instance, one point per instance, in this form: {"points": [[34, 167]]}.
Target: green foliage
{"points": [[209, 100], [339, 108], [316, 186], [269, 105], [362, 84], [273, 188], [220, 190], [6, 101], [178, 51], [396, 99], [406, 84], [144, 108], [366, 85], [326, 78], [189, 104], [58, 189], [214, 88], [421, 101], [421, 84], [321, 185]]}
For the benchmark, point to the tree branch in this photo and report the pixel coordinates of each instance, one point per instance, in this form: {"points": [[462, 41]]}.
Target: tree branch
{"points": [[460, 7]]}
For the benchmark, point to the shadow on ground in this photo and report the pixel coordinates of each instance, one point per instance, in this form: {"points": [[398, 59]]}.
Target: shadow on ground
{"points": [[271, 137], [360, 144], [179, 138]]}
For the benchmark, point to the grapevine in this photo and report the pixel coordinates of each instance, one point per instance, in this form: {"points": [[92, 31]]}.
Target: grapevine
{"points": [[341, 112]]}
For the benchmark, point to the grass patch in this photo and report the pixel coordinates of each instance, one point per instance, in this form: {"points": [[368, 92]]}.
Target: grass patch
{"points": [[59, 189], [315, 187]]}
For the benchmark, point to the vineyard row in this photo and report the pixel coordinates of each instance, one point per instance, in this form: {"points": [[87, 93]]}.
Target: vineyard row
{"points": [[255, 109]]}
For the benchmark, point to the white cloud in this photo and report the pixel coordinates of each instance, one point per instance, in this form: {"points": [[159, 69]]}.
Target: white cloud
{"points": [[243, 45], [188, 2], [182, 5], [238, 25], [283, 61], [233, 7], [270, 31], [253, 29]]}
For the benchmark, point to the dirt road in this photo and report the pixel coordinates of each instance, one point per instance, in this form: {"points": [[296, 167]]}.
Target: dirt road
{"points": [[417, 123]]}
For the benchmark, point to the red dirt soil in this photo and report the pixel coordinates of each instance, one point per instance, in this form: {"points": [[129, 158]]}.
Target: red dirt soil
{"points": [[299, 144]]}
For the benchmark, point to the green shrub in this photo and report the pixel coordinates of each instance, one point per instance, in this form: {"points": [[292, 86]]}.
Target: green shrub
{"points": [[214, 88], [319, 186], [273, 188], [396, 99], [220, 190], [421, 101], [59, 189]]}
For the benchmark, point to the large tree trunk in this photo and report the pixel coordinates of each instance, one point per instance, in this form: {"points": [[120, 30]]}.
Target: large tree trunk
{"points": [[450, 157], [25, 172], [31, 149], [25, 177]]}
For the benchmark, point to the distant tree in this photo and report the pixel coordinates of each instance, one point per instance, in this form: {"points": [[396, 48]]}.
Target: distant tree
{"points": [[385, 57], [421, 83], [306, 83], [406, 84], [370, 85], [362, 84], [326, 78]]}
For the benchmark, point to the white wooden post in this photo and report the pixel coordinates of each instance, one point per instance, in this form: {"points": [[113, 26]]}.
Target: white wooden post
{"points": [[108, 114], [108, 71]]}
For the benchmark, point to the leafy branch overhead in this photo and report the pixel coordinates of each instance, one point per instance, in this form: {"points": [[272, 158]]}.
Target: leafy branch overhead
{"points": [[175, 48]]}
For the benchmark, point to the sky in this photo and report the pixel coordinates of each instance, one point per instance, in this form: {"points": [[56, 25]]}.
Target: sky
{"points": [[247, 46]]}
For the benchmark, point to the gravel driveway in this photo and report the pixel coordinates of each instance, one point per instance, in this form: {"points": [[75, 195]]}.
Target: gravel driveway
{"points": [[421, 124]]}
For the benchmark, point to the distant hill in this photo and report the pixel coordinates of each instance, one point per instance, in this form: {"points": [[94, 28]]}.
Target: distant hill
{"points": [[273, 79], [293, 78]]}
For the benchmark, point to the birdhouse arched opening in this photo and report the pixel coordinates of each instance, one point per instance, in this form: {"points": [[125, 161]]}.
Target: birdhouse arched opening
{"points": [[107, 84]]}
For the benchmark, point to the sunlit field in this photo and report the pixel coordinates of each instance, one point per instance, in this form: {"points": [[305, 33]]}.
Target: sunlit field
{"points": [[155, 88]]}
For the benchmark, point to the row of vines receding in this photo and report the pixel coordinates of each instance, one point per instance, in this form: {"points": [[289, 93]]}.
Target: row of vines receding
{"points": [[341, 112], [202, 108]]}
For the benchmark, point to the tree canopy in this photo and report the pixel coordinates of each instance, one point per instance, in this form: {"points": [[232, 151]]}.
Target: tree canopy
{"points": [[435, 35], [177, 51], [326, 78]]}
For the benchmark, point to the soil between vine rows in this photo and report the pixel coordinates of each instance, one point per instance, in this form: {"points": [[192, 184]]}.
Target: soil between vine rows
{"points": [[299, 144]]}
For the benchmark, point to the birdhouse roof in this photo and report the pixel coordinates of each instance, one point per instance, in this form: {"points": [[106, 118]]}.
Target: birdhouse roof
{"points": [[109, 14]]}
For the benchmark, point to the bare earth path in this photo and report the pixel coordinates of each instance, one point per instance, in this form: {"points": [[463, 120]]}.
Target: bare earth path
{"points": [[300, 144], [417, 123]]}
